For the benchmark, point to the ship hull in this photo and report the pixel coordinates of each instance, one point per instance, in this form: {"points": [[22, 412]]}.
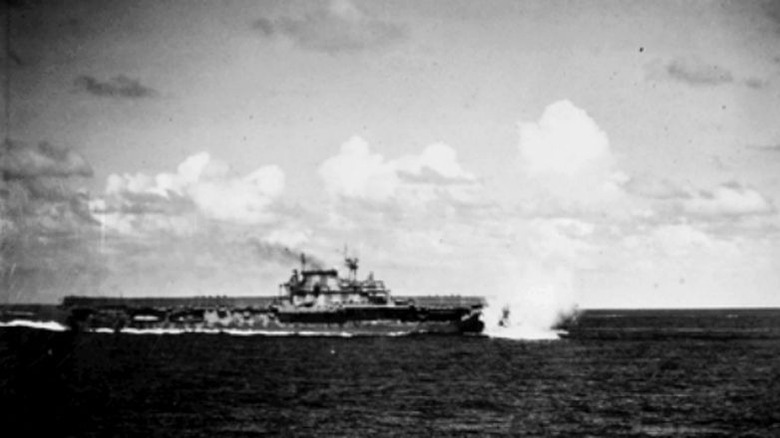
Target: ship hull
{"points": [[356, 322]]}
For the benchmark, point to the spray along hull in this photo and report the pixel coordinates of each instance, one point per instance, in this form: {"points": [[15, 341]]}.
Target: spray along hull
{"points": [[363, 321]]}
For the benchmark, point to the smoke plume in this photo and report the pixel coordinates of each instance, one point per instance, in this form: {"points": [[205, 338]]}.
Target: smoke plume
{"points": [[284, 255]]}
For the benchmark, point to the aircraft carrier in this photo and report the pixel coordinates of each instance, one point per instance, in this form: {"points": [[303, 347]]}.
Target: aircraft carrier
{"points": [[311, 302]]}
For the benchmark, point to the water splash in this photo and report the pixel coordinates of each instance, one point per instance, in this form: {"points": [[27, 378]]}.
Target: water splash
{"points": [[532, 309]]}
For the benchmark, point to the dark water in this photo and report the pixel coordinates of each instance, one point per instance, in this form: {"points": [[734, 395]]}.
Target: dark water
{"points": [[659, 373]]}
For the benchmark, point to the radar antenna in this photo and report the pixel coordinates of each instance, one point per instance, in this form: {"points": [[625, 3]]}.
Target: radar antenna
{"points": [[352, 266]]}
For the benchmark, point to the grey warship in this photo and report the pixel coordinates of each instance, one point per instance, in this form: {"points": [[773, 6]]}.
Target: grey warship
{"points": [[311, 302]]}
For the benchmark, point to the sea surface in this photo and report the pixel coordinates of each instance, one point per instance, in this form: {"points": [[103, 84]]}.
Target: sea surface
{"points": [[618, 373]]}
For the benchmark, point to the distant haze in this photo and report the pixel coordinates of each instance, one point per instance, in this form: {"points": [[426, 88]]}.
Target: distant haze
{"points": [[545, 153]]}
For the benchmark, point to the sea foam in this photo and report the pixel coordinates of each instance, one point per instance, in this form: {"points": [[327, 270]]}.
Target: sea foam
{"points": [[41, 325]]}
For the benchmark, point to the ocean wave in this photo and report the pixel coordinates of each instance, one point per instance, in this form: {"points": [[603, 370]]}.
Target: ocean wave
{"points": [[525, 333], [55, 326], [41, 325], [238, 332]]}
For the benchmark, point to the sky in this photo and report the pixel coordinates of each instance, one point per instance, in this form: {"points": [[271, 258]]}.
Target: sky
{"points": [[603, 153]]}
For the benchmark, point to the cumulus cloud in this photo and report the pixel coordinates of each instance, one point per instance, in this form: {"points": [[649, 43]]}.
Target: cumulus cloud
{"points": [[730, 200], [438, 162], [21, 160], [244, 199], [340, 27], [199, 229], [358, 173], [423, 205], [730, 208], [202, 183], [117, 87], [565, 154], [564, 141]]}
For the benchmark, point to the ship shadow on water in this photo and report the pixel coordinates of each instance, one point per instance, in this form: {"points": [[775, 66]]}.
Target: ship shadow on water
{"points": [[658, 377]]}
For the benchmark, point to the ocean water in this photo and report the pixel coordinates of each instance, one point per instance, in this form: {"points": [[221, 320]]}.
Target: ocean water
{"points": [[619, 373]]}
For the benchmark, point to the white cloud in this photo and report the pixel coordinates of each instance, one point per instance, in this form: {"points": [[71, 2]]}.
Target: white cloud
{"points": [[147, 223], [289, 237], [564, 141], [728, 200], [244, 200], [439, 158], [208, 185], [338, 28], [199, 229], [662, 189], [682, 239], [567, 156], [561, 239], [358, 173], [688, 240]]}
